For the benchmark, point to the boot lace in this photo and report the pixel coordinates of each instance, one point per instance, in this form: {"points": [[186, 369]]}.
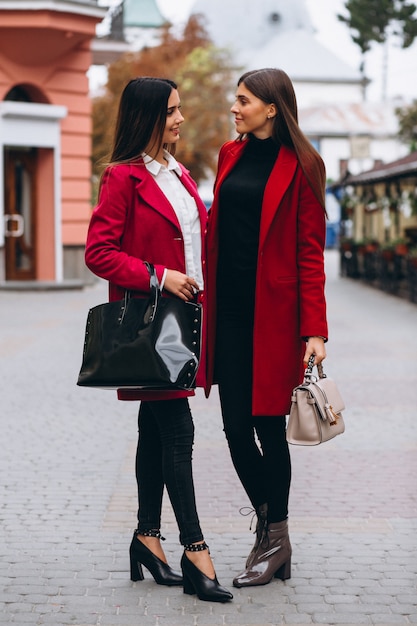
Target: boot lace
{"points": [[261, 521]]}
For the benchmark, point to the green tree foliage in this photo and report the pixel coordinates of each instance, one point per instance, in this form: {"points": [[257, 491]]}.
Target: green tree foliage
{"points": [[370, 21], [407, 117], [378, 20], [204, 77]]}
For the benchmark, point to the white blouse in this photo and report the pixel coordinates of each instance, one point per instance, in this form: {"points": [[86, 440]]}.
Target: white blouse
{"points": [[168, 179]]}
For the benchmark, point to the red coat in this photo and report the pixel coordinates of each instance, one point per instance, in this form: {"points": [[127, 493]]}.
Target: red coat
{"points": [[134, 222], [289, 297]]}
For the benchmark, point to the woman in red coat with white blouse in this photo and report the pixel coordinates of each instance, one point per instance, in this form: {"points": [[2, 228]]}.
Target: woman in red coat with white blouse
{"points": [[149, 211], [265, 298]]}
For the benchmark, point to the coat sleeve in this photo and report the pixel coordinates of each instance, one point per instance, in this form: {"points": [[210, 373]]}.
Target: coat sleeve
{"points": [[311, 238], [104, 255]]}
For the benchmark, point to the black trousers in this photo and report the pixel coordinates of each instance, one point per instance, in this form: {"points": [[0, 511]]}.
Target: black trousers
{"points": [[257, 444], [164, 457]]}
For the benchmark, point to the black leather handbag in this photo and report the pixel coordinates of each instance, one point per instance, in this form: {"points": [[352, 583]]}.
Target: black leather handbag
{"points": [[142, 343]]}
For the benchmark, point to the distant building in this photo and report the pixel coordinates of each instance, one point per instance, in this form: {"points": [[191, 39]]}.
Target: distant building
{"points": [[353, 136], [45, 138], [278, 33], [133, 24], [350, 133]]}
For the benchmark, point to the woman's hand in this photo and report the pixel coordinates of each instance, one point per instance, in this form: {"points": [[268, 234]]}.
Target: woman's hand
{"points": [[180, 285], [315, 345]]}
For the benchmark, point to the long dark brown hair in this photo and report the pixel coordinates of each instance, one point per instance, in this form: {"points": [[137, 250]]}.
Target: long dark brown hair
{"points": [[274, 86], [141, 118]]}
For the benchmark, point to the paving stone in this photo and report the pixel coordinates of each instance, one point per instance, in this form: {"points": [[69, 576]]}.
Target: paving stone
{"points": [[68, 493]]}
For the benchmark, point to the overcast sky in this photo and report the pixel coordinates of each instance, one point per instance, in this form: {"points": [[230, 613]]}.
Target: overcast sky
{"points": [[335, 35]]}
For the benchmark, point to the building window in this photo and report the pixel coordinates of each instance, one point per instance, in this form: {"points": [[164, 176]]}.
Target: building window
{"points": [[18, 94], [275, 18]]}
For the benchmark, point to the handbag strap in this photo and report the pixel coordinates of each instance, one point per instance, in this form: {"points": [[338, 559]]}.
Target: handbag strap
{"points": [[155, 290], [154, 295], [153, 278], [308, 374]]}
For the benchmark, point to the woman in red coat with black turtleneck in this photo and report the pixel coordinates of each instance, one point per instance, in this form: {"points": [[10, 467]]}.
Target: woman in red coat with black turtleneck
{"points": [[265, 298], [149, 210]]}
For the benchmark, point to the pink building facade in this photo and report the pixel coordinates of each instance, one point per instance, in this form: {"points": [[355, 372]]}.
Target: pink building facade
{"points": [[45, 138]]}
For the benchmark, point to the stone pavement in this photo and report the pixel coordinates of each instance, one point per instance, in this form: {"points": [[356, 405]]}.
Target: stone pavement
{"points": [[67, 488]]}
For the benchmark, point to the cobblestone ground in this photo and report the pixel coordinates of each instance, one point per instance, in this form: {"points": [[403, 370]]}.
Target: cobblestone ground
{"points": [[67, 488]]}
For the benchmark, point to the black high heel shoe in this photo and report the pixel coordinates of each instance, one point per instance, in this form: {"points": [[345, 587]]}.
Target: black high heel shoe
{"points": [[196, 582], [141, 555]]}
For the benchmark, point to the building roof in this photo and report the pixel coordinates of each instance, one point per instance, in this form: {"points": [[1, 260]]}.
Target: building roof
{"points": [[345, 119], [298, 53], [274, 33], [386, 171], [142, 13], [247, 25], [82, 7]]}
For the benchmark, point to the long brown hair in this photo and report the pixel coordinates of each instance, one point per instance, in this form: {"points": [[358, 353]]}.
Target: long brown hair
{"points": [[274, 86], [141, 118]]}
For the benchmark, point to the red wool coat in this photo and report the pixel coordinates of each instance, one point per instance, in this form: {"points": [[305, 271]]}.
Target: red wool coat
{"points": [[289, 297], [134, 222]]}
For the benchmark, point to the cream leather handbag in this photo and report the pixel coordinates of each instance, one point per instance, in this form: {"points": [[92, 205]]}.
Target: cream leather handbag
{"points": [[316, 409]]}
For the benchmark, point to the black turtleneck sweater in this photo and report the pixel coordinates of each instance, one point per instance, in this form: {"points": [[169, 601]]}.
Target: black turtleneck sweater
{"points": [[240, 205]]}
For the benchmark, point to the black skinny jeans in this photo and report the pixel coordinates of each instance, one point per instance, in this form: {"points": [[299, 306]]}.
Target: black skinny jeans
{"points": [[265, 469], [164, 457]]}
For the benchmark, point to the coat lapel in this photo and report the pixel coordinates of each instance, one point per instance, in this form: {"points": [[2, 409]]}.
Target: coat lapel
{"points": [[229, 161], [151, 193], [190, 186], [148, 191], [278, 183]]}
